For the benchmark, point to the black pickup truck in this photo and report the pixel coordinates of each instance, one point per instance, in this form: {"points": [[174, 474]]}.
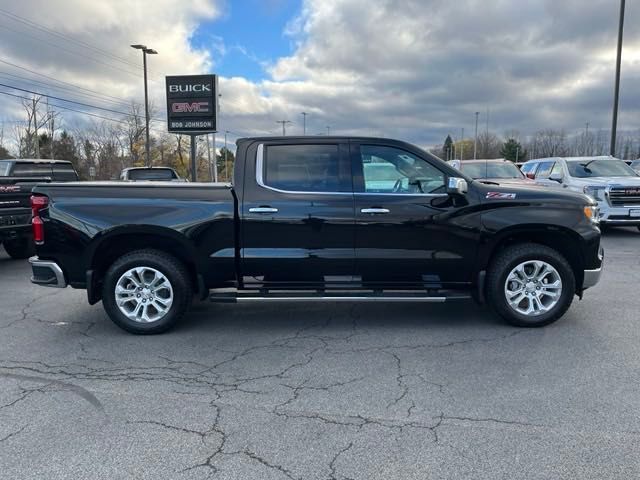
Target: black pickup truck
{"points": [[17, 178], [318, 219]]}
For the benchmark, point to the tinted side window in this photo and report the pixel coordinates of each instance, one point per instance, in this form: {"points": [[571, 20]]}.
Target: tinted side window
{"points": [[392, 170], [529, 168], [31, 170], [557, 169], [64, 173], [545, 169], [304, 168]]}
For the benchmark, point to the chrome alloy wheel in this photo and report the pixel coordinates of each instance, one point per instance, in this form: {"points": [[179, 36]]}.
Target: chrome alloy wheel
{"points": [[144, 294], [533, 288]]}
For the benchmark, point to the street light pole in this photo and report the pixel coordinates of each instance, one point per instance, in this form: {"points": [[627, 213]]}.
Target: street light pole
{"points": [[284, 124], [616, 95], [304, 122], [145, 51], [475, 142]]}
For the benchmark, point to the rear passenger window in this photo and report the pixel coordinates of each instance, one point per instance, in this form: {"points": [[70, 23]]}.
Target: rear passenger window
{"points": [[31, 170], [545, 169], [304, 168], [64, 173]]}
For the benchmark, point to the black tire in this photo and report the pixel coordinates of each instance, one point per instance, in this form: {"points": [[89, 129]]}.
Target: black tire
{"points": [[171, 268], [20, 249], [508, 259]]}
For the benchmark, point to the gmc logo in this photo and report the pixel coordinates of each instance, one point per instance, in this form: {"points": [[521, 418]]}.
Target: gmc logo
{"points": [[10, 189], [632, 191], [183, 107], [189, 88]]}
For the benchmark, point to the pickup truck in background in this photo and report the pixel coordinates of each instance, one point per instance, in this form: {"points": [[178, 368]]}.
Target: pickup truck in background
{"points": [[317, 219], [138, 174], [609, 181], [17, 178]]}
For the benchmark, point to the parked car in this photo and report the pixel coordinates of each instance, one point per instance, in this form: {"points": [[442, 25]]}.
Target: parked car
{"points": [[492, 171], [17, 178], [305, 220], [636, 166], [608, 180], [138, 174]]}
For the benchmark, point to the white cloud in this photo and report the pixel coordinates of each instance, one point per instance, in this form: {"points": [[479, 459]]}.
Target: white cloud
{"points": [[412, 69]]}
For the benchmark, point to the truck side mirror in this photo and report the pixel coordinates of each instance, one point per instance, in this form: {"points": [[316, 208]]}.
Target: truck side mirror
{"points": [[457, 186], [530, 176], [556, 177]]}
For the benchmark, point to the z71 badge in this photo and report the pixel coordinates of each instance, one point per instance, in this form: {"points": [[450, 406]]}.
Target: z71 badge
{"points": [[501, 196]]}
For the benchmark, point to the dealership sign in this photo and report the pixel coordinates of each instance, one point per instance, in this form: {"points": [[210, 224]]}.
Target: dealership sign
{"points": [[192, 103]]}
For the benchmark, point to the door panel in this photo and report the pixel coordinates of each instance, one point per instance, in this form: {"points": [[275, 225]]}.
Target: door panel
{"points": [[298, 216], [412, 238]]}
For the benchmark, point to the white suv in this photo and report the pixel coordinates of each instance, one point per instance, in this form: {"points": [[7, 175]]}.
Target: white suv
{"points": [[608, 180]]}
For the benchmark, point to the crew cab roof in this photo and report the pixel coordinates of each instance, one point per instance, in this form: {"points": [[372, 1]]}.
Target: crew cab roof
{"points": [[34, 160]]}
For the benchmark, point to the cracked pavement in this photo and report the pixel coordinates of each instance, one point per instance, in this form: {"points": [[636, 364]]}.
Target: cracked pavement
{"points": [[335, 392]]}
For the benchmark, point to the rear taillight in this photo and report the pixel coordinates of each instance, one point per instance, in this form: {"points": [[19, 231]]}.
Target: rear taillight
{"points": [[38, 203]]}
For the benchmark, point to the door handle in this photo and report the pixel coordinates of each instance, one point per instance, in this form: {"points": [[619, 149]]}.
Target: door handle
{"points": [[375, 211], [263, 210]]}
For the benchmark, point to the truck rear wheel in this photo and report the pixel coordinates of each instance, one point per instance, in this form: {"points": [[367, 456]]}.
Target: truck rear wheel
{"points": [[530, 285], [146, 292], [20, 249]]}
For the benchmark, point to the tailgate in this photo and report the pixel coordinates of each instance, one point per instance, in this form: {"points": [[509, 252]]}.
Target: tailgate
{"points": [[14, 196]]}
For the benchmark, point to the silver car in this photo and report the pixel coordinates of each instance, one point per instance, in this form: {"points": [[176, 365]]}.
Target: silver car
{"points": [[608, 180]]}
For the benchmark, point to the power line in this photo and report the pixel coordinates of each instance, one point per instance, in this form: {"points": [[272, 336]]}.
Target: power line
{"points": [[55, 79], [71, 101], [38, 26], [80, 54], [38, 83]]}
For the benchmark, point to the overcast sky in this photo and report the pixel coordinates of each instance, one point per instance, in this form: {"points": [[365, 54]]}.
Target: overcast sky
{"points": [[410, 69]]}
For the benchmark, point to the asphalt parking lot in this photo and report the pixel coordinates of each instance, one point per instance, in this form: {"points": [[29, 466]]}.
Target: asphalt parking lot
{"points": [[322, 391]]}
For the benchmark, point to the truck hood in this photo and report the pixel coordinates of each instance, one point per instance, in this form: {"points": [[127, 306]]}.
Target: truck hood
{"points": [[606, 181], [523, 194]]}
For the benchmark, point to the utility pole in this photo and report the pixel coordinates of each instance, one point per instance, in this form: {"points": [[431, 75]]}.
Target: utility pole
{"points": [[146, 51], [35, 125], [328, 130], [616, 95], [586, 138], [462, 144], [475, 142], [52, 127], [283, 123], [211, 175], [304, 122], [226, 157]]}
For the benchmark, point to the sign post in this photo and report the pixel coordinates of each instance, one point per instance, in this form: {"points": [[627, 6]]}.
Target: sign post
{"points": [[192, 108]]}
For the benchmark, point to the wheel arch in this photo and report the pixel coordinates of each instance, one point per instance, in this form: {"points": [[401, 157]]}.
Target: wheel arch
{"points": [[564, 240], [114, 243]]}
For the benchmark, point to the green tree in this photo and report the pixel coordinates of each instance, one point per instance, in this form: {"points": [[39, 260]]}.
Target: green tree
{"points": [[447, 148], [225, 161], [512, 150]]}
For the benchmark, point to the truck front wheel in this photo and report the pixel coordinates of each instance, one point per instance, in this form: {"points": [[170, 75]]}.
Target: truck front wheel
{"points": [[146, 291], [530, 285]]}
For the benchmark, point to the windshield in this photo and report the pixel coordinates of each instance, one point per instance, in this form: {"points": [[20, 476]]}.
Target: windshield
{"points": [[491, 170], [599, 168], [152, 174], [4, 168]]}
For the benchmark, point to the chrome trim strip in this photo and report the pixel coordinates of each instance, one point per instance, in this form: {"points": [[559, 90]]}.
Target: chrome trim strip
{"points": [[342, 299], [53, 266], [263, 210], [260, 181], [375, 211], [591, 278]]}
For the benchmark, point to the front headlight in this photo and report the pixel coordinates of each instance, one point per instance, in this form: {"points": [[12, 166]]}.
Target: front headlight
{"points": [[592, 212], [595, 191]]}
